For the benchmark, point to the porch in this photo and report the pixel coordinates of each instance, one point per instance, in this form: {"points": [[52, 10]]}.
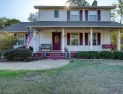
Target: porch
{"points": [[73, 39]]}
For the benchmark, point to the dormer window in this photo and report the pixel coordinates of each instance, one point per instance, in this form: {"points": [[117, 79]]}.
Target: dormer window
{"points": [[74, 15], [92, 15], [56, 13]]}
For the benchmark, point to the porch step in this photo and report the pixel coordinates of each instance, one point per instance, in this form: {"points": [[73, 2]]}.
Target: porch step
{"points": [[55, 54], [54, 57]]}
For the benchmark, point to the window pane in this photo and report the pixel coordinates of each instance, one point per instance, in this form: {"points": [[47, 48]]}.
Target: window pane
{"points": [[74, 12], [92, 18], [20, 42], [94, 39], [56, 13], [20, 36], [74, 39], [74, 17]]}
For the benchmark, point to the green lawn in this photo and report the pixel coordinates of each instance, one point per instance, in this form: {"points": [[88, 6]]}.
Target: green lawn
{"points": [[79, 77]]}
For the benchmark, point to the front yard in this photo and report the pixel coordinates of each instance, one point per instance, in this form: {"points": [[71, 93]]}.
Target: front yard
{"points": [[79, 77]]}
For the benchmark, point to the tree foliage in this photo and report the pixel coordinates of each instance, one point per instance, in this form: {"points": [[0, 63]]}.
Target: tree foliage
{"points": [[117, 15], [78, 2], [6, 41], [33, 17], [4, 22]]}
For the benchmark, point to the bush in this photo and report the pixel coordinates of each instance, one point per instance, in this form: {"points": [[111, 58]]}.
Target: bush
{"points": [[88, 55], [19, 54], [30, 48], [94, 55], [106, 55], [118, 55]]}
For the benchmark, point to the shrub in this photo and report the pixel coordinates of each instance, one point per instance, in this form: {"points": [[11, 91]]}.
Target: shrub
{"points": [[106, 55], [19, 54], [118, 55], [94, 55], [30, 48], [88, 55]]}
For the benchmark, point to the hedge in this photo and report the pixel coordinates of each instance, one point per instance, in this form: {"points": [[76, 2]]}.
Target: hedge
{"points": [[118, 55], [19, 54], [30, 48], [88, 55], [100, 55], [106, 55]]}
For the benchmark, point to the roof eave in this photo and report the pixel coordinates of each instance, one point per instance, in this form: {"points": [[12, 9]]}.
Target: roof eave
{"points": [[75, 7]]}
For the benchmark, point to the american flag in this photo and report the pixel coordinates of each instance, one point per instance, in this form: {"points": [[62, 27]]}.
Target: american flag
{"points": [[28, 39]]}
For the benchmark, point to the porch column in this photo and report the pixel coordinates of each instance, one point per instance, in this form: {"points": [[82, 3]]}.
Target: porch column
{"points": [[63, 40], [118, 41], [91, 39], [34, 44]]}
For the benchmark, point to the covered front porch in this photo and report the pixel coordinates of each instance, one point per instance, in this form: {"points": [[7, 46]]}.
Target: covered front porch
{"points": [[73, 39]]}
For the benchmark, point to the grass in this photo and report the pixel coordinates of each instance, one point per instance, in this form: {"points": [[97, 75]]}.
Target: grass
{"points": [[79, 77]]}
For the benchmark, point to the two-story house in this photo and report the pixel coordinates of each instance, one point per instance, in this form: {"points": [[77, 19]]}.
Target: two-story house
{"points": [[85, 28]]}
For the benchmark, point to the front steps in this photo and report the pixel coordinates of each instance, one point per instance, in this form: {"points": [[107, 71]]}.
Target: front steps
{"points": [[52, 55]]}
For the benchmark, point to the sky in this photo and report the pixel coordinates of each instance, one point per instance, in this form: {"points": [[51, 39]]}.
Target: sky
{"points": [[20, 9]]}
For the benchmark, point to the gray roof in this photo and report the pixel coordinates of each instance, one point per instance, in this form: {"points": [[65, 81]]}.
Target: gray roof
{"points": [[74, 7], [23, 26], [20, 27], [90, 24]]}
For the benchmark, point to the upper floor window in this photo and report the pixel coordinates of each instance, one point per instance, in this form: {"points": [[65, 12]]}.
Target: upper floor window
{"points": [[74, 15], [92, 15], [56, 13]]}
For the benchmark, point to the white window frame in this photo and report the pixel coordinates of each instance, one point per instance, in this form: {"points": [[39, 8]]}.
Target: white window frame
{"points": [[93, 38], [21, 39], [71, 40], [75, 13], [92, 13], [55, 14]]}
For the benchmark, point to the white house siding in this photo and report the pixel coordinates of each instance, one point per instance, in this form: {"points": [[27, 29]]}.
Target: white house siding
{"points": [[45, 37], [48, 15], [105, 15]]}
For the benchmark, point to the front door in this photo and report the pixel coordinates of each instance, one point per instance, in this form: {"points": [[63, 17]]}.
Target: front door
{"points": [[56, 40]]}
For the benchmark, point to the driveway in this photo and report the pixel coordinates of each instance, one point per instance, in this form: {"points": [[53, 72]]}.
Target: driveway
{"points": [[34, 65]]}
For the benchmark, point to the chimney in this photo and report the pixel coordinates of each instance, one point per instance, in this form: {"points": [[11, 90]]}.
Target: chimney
{"points": [[94, 3]]}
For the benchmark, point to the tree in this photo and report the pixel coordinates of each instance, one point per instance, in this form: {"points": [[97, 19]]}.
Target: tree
{"points": [[33, 17], [4, 22], [117, 15], [6, 41], [78, 3]]}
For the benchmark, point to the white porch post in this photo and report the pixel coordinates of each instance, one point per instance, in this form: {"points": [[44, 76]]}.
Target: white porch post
{"points": [[63, 40], [34, 44], [91, 39], [118, 41]]}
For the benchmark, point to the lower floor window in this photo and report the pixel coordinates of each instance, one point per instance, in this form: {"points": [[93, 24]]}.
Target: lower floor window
{"points": [[74, 39], [96, 38], [21, 39]]}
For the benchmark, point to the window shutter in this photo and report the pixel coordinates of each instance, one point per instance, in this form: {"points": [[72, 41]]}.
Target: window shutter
{"points": [[81, 15], [99, 38], [86, 15], [81, 38], [86, 38], [68, 38], [68, 15], [98, 15], [15, 35]]}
